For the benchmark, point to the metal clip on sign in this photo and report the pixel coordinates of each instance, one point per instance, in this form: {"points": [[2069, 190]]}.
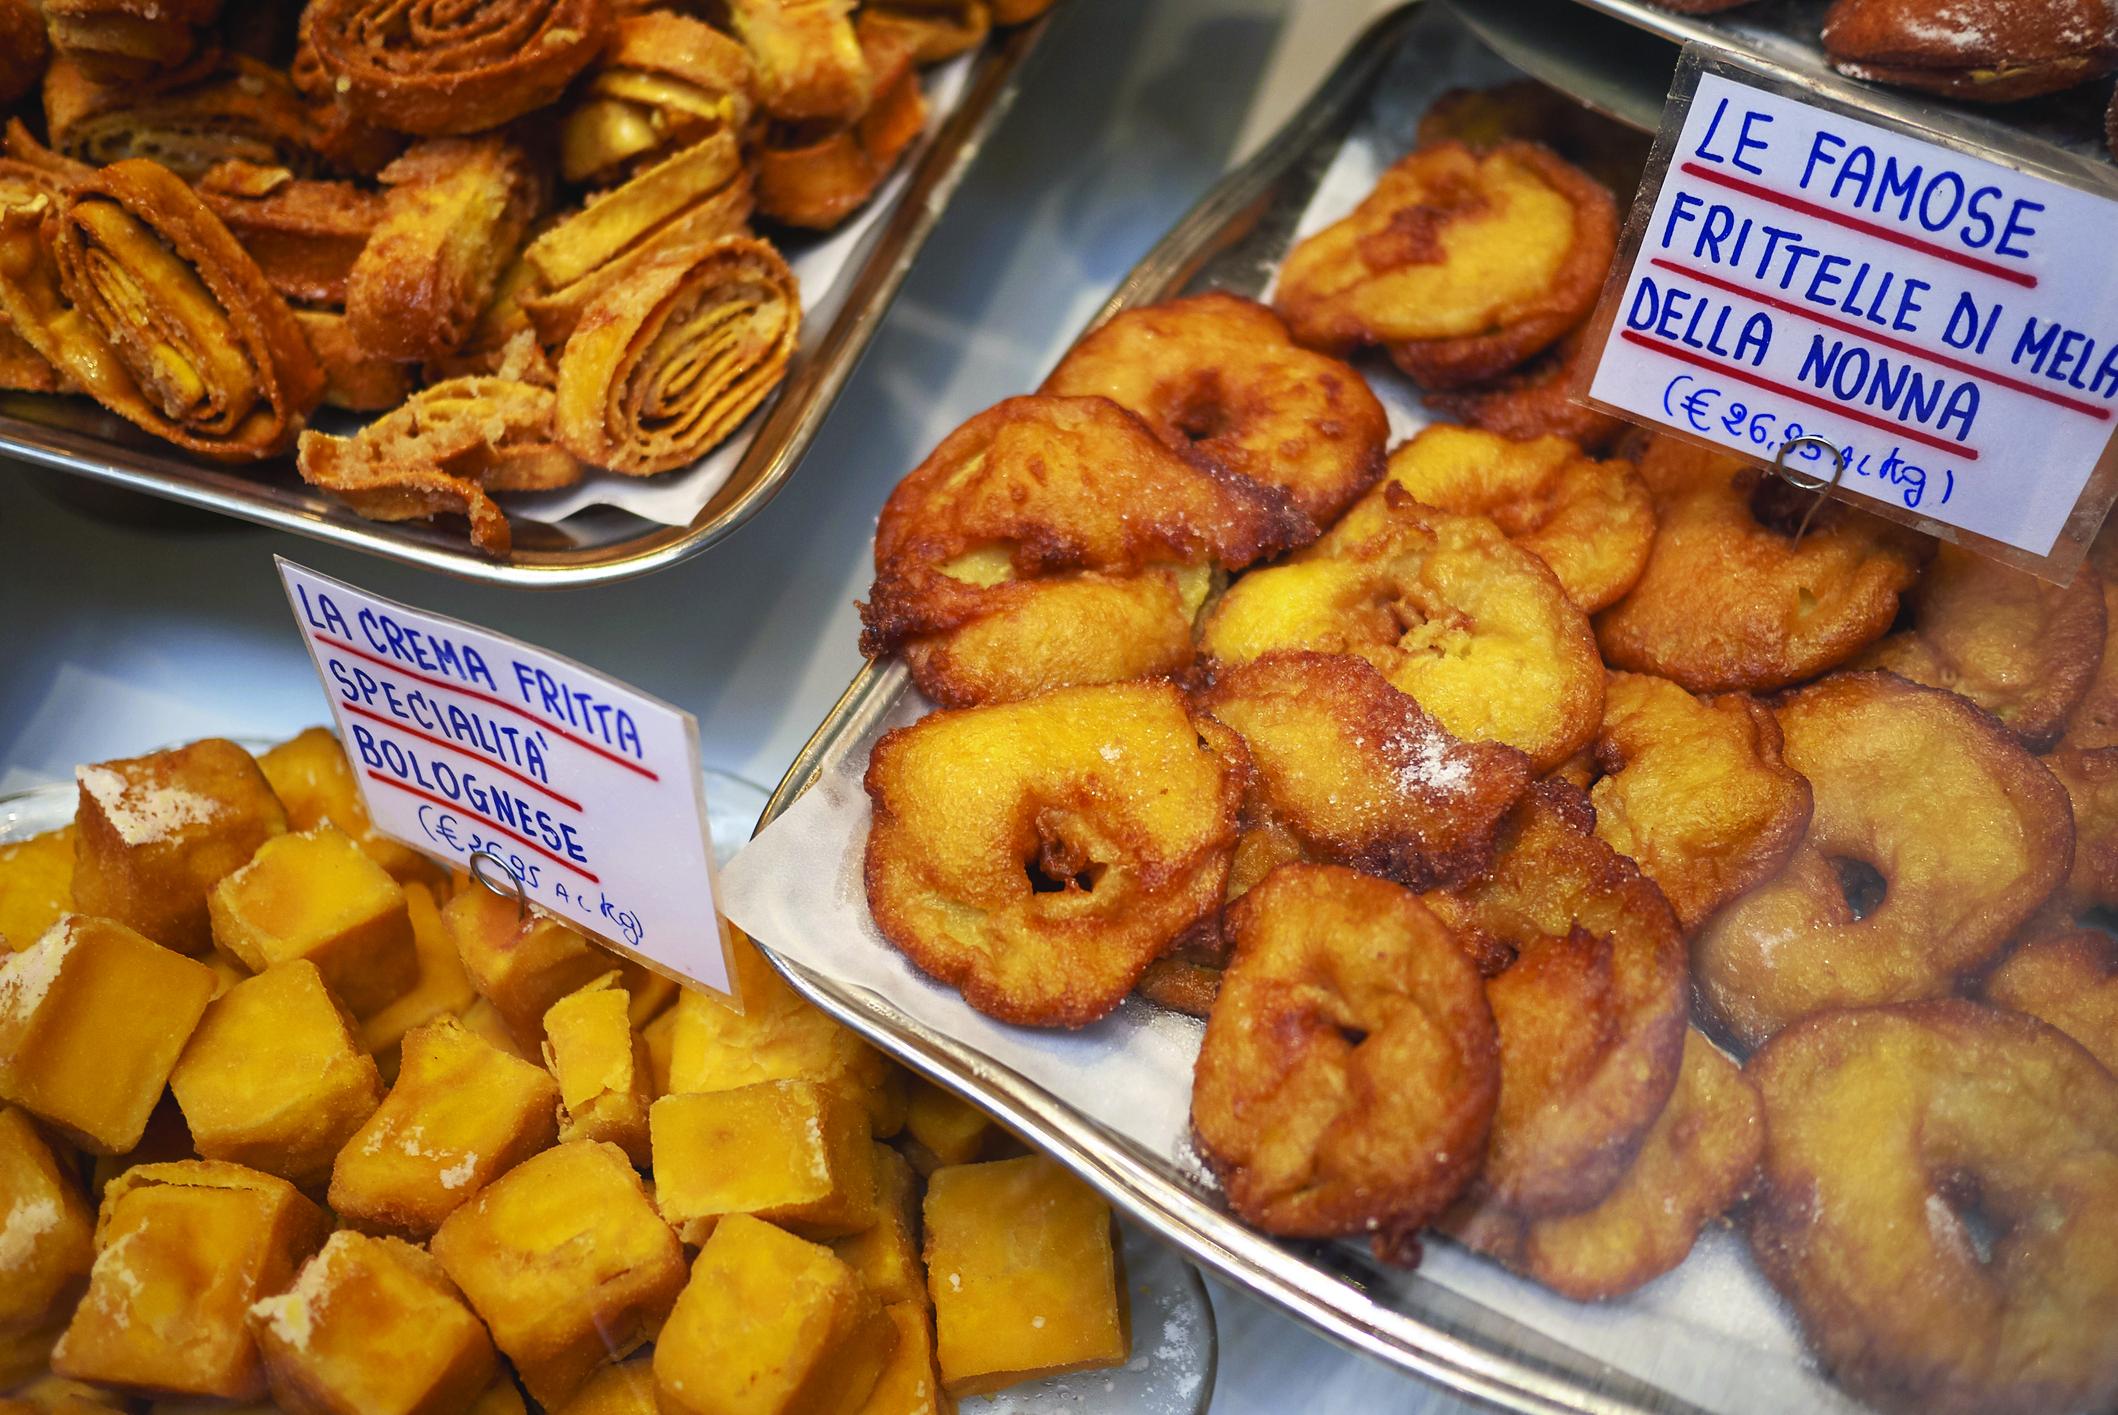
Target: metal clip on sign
{"points": [[510, 890], [1801, 481]]}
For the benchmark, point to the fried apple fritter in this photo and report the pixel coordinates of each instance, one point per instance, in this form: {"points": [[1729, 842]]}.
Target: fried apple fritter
{"points": [[1591, 1010], [1730, 601], [1967, 832], [1475, 629], [2094, 721], [2090, 777], [1536, 400], [1360, 775], [1348, 1075], [1038, 855], [1589, 520], [1697, 1161], [2067, 980], [1052, 541], [2022, 649], [1220, 376], [1695, 791], [1527, 111], [1461, 264], [1893, 1136]]}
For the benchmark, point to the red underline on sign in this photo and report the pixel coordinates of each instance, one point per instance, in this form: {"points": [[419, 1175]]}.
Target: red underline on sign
{"points": [[1847, 326], [480, 757], [524, 713], [516, 836], [1969, 454], [1866, 228]]}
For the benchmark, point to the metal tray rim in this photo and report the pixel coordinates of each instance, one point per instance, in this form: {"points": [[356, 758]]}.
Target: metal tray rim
{"points": [[790, 426]]}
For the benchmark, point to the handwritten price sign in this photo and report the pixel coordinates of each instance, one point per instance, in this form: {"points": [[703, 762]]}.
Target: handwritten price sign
{"points": [[466, 743], [1949, 323]]}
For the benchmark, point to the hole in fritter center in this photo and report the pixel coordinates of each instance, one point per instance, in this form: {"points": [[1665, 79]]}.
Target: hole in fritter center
{"points": [[1352, 1036], [1957, 1210], [1862, 884]]}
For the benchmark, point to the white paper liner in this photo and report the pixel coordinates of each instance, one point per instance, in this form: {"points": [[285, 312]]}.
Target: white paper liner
{"points": [[1712, 1332], [674, 498]]}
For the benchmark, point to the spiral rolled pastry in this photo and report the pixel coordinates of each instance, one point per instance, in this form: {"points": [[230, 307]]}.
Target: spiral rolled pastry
{"points": [[120, 41], [130, 286], [666, 82], [670, 360], [22, 368], [806, 57], [305, 235], [230, 109], [442, 68], [812, 178]]}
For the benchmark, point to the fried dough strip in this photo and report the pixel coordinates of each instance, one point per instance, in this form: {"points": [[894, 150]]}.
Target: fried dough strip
{"points": [[699, 194], [304, 235], [672, 358], [232, 109], [807, 59], [439, 452], [133, 288], [124, 41], [24, 50], [667, 81], [816, 180], [22, 368], [437, 70], [933, 30], [456, 212], [353, 379]]}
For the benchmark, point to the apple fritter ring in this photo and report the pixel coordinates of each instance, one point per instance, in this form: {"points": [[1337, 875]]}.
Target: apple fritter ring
{"points": [[1473, 627], [2068, 980], [669, 361], [1036, 856], [1966, 832], [1359, 773], [667, 81], [1591, 521], [1348, 1074], [455, 211], [2090, 777], [1220, 376], [1050, 541], [24, 50], [1590, 1003], [1730, 601], [443, 68], [1696, 791], [1893, 1135], [229, 108], [1536, 400], [1698, 1160], [133, 289], [125, 41], [1461, 264], [2094, 721], [2022, 649]]}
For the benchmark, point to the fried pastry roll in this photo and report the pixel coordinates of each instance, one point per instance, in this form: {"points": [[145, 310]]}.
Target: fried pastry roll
{"points": [[23, 49], [666, 82], [698, 195], [304, 235], [454, 216], [234, 109], [123, 41], [816, 179], [933, 30], [134, 289], [668, 361], [440, 451], [22, 368], [353, 378], [442, 70], [807, 58]]}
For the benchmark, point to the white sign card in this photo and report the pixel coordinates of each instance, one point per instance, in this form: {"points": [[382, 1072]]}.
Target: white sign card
{"points": [[1949, 323], [466, 742]]}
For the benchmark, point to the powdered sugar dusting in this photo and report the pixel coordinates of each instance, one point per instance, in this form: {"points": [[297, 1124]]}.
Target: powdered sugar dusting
{"points": [[1424, 759], [27, 976], [293, 1313], [141, 813], [27, 1221], [459, 1174]]}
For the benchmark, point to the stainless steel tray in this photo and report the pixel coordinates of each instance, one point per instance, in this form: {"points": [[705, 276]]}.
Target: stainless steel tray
{"points": [[602, 544], [1232, 239]]}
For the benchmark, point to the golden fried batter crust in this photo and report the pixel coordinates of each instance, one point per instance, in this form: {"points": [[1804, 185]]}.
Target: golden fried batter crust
{"points": [[1700, 1158], [1038, 855], [2090, 777], [1220, 376], [1695, 791], [2094, 721], [1968, 832], [1461, 264], [1537, 400], [667, 81], [814, 176], [24, 50], [2069, 980], [125, 41], [1360, 775], [1054, 540], [305, 235], [1348, 1075], [1590, 521], [2021, 648], [1477, 630], [806, 58], [1591, 1010], [1729, 602], [221, 108], [1886, 1129]]}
